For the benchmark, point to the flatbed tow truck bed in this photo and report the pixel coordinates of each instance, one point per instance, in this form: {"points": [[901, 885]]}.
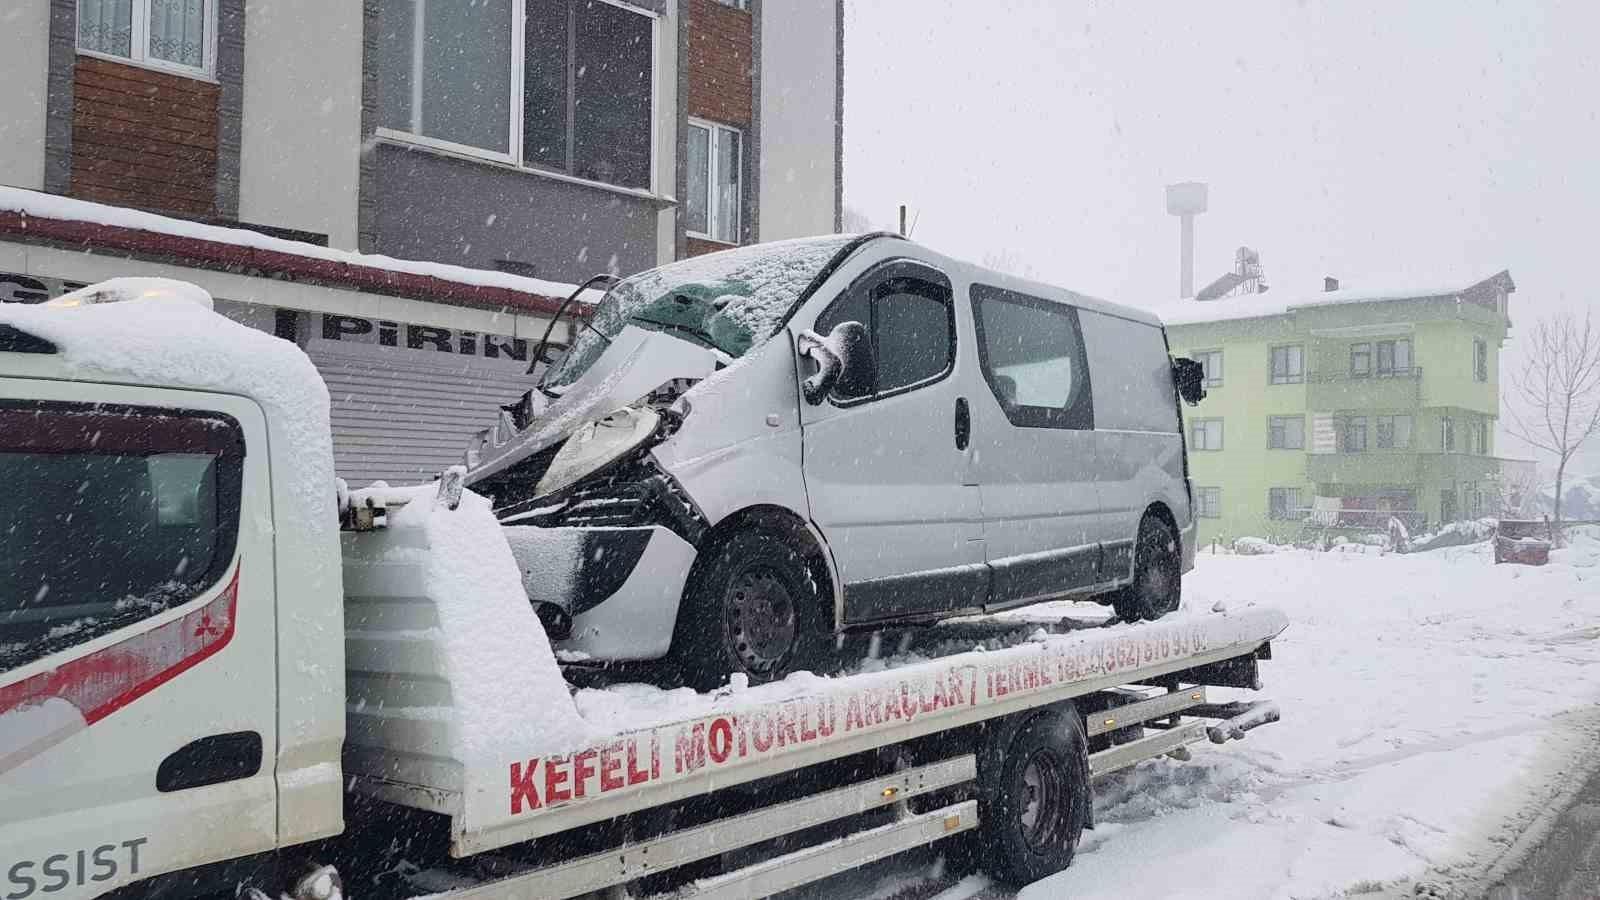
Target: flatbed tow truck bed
{"points": [[907, 730]]}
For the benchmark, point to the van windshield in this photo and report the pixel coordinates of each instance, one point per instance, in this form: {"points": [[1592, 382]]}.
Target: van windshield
{"points": [[120, 514], [729, 301]]}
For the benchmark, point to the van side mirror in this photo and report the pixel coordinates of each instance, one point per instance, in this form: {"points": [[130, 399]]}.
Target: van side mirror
{"points": [[845, 365], [1190, 378]]}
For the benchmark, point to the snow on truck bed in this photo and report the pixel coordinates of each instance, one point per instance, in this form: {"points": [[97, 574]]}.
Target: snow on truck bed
{"points": [[457, 705]]}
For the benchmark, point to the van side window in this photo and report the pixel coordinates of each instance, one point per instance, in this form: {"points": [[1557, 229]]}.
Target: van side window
{"points": [[1031, 352], [910, 323], [130, 511]]}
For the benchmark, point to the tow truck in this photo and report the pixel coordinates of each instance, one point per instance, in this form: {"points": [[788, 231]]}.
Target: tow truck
{"points": [[221, 672]]}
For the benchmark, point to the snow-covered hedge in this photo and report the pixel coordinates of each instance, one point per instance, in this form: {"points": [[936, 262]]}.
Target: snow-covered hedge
{"points": [[1456, 534]]}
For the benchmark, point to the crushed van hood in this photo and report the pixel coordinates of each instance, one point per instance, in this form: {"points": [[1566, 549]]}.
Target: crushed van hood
{"points": [[636, 362]]}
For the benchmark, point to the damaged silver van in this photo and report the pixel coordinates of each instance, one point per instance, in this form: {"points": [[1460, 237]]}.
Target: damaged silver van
{"points": [[743, 454]]}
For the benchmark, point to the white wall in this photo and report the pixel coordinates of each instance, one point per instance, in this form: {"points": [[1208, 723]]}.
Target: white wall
{"points": [[799, 93], [24, 49], [300, 152], [667, 131]]}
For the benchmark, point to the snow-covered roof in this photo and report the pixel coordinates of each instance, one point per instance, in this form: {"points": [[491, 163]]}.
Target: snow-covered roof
{"points": [[40, 216], [1253, 306]]}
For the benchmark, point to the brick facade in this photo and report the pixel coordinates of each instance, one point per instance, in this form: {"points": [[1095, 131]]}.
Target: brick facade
{"points": [[721, 81], [143, 138], [720, 63]]}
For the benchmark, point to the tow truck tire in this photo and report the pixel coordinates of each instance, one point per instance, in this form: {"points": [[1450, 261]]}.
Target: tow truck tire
{"points": [[752, 607], [1033, 794], [1157, 574]]}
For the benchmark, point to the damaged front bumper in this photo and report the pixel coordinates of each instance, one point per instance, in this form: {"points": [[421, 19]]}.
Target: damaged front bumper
{"points": [[619, 587]]}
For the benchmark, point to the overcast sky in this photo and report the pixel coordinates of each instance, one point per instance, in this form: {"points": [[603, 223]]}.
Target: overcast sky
{"points": [[1370, 141]]}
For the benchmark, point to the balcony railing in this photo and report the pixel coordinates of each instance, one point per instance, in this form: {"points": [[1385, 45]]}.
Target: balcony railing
{"points": [[1374, 519], [1338, 389], [1412, 374]]}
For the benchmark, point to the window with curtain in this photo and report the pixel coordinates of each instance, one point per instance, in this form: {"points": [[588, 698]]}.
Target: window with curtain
{"points": [[172, 34], [446, 72], [716, 190]]}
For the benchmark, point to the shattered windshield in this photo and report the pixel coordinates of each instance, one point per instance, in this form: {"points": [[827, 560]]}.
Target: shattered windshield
{"points": [[729, 301]]}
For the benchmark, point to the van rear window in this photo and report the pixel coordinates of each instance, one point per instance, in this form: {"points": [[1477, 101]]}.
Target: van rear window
{"points": [[109, 515]]}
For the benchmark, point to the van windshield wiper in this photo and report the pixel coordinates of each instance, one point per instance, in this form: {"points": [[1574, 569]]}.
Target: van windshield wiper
{"points": [[697, 333]]}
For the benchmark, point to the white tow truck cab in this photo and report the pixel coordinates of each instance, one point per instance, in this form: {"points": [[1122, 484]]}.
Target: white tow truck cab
{"points": [[203, 684]]}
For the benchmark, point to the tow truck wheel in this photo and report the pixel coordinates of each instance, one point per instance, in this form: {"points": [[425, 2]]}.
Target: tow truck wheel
{"points": [[1033, 795], [752, 609], [1157, 574]]}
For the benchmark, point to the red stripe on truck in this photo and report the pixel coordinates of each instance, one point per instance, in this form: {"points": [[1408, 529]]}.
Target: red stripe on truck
{"points": [[110, 678]]}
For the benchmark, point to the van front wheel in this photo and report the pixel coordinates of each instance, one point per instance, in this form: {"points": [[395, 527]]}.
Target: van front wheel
{"points": [[752, 608], [1157, 574]]}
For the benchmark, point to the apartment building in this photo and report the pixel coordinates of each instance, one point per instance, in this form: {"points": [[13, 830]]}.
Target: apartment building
{"points": [[1358, 404], [516, 147]]}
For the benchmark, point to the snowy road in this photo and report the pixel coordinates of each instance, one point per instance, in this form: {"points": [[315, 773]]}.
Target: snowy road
{"points": [[1439, 712]]}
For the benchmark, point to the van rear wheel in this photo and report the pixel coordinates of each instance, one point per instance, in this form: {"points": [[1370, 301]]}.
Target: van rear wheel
{"points": [[752, 608], [1157, 574]]}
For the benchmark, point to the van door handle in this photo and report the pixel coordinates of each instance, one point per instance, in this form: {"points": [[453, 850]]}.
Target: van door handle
{"points": [[210, 760], [963, 423]]}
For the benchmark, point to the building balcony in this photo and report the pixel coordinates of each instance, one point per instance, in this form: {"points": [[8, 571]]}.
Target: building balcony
{"points": [[1339, 390], [1405, 467], [1447, 467], [1399, 467]]}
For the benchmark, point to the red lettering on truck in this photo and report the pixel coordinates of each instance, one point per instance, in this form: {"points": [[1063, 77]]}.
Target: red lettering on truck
{"points": [[523, 789]]}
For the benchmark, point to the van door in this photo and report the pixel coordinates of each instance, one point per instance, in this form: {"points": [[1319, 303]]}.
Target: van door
{"points": [[137, 701], [1136, 431], [888, 464], [1036, 460]]}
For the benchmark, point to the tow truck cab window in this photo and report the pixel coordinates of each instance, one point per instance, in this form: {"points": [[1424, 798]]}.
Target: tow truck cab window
{"points": [[128, 512]]}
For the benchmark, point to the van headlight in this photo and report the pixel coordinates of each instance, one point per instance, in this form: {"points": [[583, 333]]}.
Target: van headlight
{"points": [[596, 446]]}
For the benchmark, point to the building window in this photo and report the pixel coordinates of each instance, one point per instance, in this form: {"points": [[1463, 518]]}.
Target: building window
{"points": [[1394, 358], [1480, 359], [1288, 365], [735, 4], [1483, 437], [1447, 434], [574, 92], [1210, 365], [166, 34], [1208, 502], [715, 168], [1353, 434], [1286, 432], [1205, 434], [1394, 432], [1283, 503], [1360, 360]]}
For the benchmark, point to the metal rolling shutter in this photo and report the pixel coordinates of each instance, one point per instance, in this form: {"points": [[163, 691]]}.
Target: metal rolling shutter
{"points": [[405, 422]]}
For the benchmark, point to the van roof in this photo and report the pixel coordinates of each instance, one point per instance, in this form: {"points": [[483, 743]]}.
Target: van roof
{"points": [[977, 274]]}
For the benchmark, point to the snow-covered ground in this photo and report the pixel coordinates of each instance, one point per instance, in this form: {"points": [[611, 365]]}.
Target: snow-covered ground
{"points": [[1436, 708]]}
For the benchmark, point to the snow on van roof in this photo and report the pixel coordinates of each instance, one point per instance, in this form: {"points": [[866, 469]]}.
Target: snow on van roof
{"points": [[160, 332], [1253, 306]]}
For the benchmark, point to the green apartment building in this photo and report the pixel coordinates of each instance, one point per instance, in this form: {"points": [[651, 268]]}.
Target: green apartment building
{"points": [[1355, 405]]}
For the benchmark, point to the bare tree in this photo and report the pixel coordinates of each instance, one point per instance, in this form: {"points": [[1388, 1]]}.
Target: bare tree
{"points": [[1556, 395]]}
